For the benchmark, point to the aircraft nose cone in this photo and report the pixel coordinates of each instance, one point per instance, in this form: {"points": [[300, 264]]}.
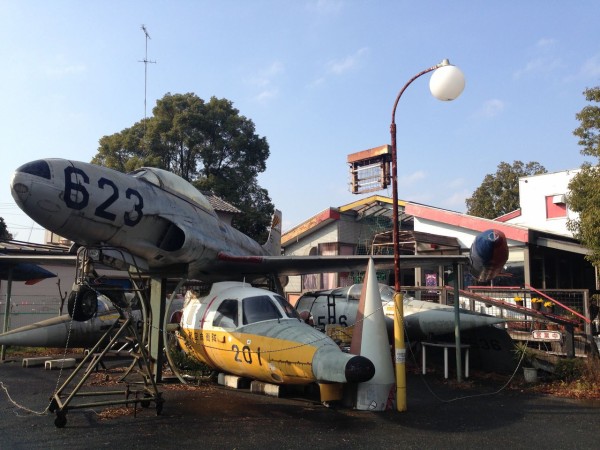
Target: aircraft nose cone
{"points": [[359, 369], [19, 191]]}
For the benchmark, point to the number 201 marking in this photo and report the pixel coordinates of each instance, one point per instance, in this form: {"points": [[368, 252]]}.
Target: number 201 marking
{"points": [[246, 354], [77, 197]]}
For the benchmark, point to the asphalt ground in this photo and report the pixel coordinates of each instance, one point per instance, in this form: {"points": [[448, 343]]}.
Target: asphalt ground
{"points": [[440, 415]]}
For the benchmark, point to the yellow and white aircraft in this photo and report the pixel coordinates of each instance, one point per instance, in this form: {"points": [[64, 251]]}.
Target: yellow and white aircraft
{"points": [[257, 334]]}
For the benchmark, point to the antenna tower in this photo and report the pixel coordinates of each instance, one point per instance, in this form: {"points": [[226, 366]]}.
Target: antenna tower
{"points": [[146, 61]]}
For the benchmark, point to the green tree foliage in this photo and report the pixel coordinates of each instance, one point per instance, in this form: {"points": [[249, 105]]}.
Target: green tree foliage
{"points": [[207, 143], [584, 188], [4, 234], [498, 194], [588, 131]]}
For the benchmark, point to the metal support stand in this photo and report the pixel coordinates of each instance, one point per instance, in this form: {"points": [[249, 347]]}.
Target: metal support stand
{"points": [[157, 314], [143, 391]]}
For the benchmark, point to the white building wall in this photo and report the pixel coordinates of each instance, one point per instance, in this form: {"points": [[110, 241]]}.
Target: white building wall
{"points": [[345, 230], [533, 191], [329, 233], [465, 236]]}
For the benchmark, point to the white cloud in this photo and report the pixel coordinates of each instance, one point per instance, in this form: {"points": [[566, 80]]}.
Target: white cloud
{"points": [[591, 67], [491, 108], [544, 43], [538, 65], [267, 95], [339, 67], [265, 80], [265, 76], [61, 68], [456, 183], [323, 7], [543, 60], [456, 201], [408, 179]]}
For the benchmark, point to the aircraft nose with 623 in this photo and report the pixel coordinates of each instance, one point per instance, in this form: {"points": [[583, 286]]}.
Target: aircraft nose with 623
{"points": [[152, 213]]}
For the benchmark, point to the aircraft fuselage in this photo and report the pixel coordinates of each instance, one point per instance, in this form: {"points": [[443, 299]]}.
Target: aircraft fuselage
{"points": [[257, 334], [152, 213]]}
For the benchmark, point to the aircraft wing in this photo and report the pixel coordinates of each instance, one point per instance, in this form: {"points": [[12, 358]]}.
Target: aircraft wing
{"points": [[39, 259], [23, 271], [301, 265]]}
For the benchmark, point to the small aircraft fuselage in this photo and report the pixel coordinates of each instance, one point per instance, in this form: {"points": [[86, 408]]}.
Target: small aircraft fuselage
{"points": [[257, 334]]}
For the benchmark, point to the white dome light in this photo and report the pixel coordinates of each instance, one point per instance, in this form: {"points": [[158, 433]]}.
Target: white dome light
{"points": [[447, 83]]}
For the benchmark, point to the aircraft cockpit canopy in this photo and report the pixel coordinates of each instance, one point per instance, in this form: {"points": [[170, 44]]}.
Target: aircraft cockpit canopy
{"points": [[253, 309], [173, 183]]}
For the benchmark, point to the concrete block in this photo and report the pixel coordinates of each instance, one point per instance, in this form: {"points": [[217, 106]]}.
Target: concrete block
{"points": [[259, 387], [65, 363], [233, 381], [35, 361]]}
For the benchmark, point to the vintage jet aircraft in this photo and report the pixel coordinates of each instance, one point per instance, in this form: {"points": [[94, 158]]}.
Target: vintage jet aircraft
{"points": [[62, 331], [165, 224], [257, 334], [491, 345], [422, 319], [162, 224]]}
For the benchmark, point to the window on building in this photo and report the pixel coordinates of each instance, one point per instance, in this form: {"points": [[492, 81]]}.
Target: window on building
{"points": [[555, 206]]}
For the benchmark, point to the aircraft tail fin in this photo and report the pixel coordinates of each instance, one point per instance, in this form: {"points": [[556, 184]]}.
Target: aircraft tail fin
{"points": [[273, 244]]}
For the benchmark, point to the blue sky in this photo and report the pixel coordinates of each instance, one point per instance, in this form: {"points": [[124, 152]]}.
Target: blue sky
{"points": [[317, 77]]}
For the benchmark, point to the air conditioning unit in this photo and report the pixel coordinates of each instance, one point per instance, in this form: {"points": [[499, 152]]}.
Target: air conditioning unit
{"points": [[559, 199]]}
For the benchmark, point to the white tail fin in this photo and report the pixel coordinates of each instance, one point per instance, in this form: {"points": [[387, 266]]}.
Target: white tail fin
{"points": [[273, 244]]}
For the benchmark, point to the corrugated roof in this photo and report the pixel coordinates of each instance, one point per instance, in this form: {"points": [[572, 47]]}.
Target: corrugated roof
{"points": [[28, 248]]}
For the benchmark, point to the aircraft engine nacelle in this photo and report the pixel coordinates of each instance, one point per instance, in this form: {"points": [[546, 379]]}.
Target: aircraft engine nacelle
{"points": [[489, 253], [82, 303]]}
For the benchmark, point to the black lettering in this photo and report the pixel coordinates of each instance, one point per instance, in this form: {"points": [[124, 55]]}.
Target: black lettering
{"points": [[101, 211], [236, 350], [76, 196], [247, 354], [258, 354], [137, 208]]}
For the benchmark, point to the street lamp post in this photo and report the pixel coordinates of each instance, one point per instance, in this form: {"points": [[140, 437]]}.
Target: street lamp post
{"points": [[447, 83]]}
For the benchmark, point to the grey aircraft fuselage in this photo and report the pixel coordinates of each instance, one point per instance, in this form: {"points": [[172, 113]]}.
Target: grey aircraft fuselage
{"points": [[165, 224]]}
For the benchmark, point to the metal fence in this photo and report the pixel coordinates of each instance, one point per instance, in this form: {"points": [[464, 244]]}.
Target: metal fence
{"points": [[504, 302], [28, 309], [563, 303]]}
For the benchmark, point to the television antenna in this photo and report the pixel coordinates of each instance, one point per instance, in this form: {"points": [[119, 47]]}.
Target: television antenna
{"points": [[146, 61]]}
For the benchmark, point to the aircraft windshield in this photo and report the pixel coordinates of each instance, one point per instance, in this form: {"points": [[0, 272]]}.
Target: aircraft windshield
{"points": [[173, 183], [290, 311], [259, 308], [227, 314]]}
